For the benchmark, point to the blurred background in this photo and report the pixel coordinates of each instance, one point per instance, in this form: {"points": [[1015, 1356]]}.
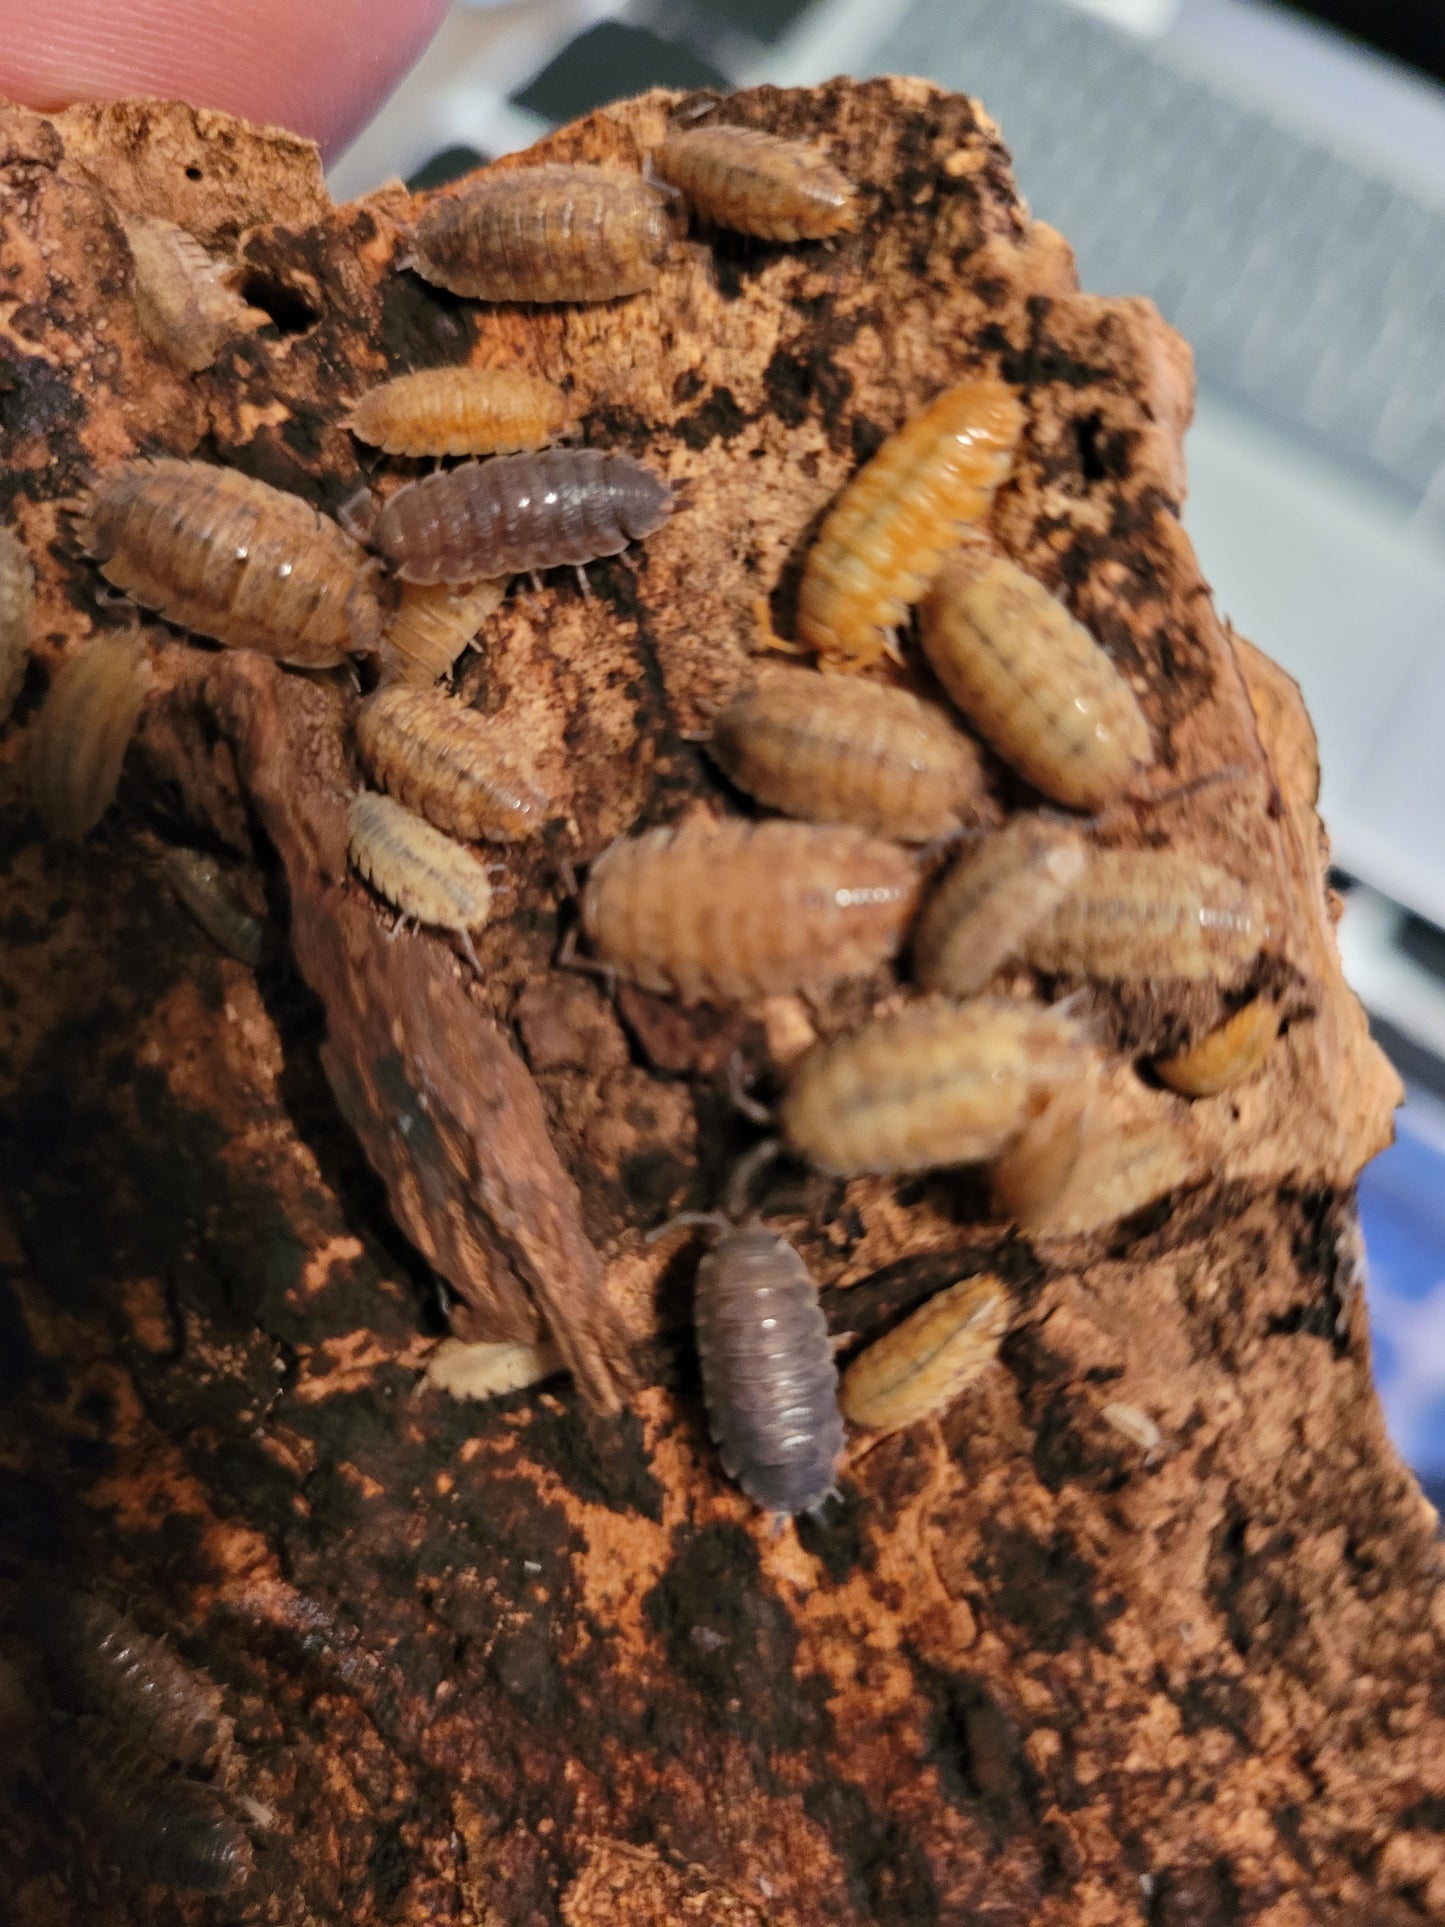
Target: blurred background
{"points": [[1274, 177]]}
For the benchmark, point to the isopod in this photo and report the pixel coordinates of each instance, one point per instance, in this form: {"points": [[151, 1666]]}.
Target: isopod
{"points": [[1085, 1167], [489, 1369], [548, 233], [995, 894], [768, 1376], [460, 411], [448, 764], [433, 624], [228, 557], [1228, 1055], [1134, 1425], [103, 1662], [1033, 1170], [935, 1084], [17, 593], [421, 873], [204, 887], [520, 512], [80, 737], [182, 301], [1135, 915], [730, 911], [1033, 682], [756, 183], [156, 1826], [922, 1365], [836, 751], [886, 537]]}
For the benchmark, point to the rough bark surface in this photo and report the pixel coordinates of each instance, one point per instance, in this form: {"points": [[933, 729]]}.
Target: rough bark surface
{"points": [[527, 1661]]}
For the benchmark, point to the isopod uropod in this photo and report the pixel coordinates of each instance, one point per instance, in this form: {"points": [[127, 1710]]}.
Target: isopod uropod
{"points": [[520, 512], [80, 737], [768, 1375], [152, 1824], [1033, 682], [183, 304], [422, 873], [922, 1365], [836, 751], [547, 233], [935, 1084], [1230, 1053], [887, 535], [460, 411], [449, 764], [1133, 915], [756, 183], [729, 911], [228, 557], [102, 1661], [17, 593], [434, 622], [991, 899]]}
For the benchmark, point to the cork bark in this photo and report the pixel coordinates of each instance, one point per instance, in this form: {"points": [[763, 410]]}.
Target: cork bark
{"points": [[536, 1661]]}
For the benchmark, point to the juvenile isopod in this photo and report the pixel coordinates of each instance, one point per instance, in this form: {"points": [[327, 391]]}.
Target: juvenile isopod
{"points": [[228, 557], [488, 1370], [730, 911], [1228, 1055], [79, 739], [547, 233], [154, 1825], [520, 512], [922, 1365], [935, 1084], [757, 183], [1033, 682], [1135, 915], [887, 535], [434, 622], [460, 411], [183, 303], [991, 899], [420, 872], [17, 593], [768, 1376], [102, 1661], [449, 764], [204, 887], [831, 750]]}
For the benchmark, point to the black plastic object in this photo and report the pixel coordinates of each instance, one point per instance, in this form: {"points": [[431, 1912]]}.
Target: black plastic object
{"points": [[609, 62]]}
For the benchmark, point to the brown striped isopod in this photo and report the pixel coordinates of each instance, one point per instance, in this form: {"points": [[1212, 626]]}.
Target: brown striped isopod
{"points": [[886, 537], [1229, 1055], [1136, 915], [520, 512], [922, 1365], [757, 183], [934, 1084], [101, 1661], [1033, 682], [154, 1825], [79, 739], [204, 887], [228, 557], [991, 899], [547, 233], [460, 411], [421, 873], [449, 764], [183, 303], [432, 625], [17, 594], [729, 911], [832, 750]]}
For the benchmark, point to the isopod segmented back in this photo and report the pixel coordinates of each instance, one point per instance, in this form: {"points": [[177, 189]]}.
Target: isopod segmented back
{"points": [[183, 303], [450, 765], [460, 411], [420, 871], [996, 893], [432, 625], [1133, 915], [79, 740], [922, 1365], [756, 183]]}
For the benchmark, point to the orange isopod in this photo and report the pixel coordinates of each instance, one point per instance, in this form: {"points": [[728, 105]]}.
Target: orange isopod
{"points": [[460, 411], [547, 233], [995, 894], [935, 1084], [17, 594], [922, 1365], [886, 537], [756, 183], [1033, 682], [728, 911], [183, 304], [82, 733], [1228, 1055], [449, 764], [228, 557], [433, 624], [1134, 915], [835, 751], [421, 872]]}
